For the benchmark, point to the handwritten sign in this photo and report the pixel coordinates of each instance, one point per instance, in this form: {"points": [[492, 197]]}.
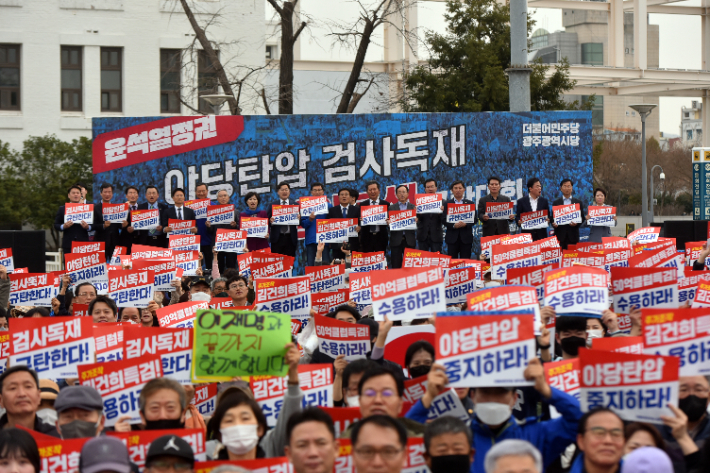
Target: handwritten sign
{"points": [[408, 293], [145, 219], [577, 290], [79, 213], [428, 203], [601, 216], [220, 214], [534, 220]]}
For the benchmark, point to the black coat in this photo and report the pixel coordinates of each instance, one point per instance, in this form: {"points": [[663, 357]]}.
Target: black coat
{"points": [[74, 233], [431, 226], [568, 231], [367, 229], [170, 212], [276, 230], [524, 206], [492, 227], [465, 234], [353, 212], [110, 235]]}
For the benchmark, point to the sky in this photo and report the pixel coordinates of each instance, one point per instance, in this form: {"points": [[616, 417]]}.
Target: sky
{"points": [[677, 33]]}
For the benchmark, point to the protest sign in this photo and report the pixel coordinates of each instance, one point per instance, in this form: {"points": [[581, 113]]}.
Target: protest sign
{"points": [[414, 258], [403, 220], [220, 214], [244, 262], [188, 261], [588, 246], [4, 350], [520, 239], [199, 206], [149, 252], [205, 399], [361, 289], [326, 278], [637, 387], [78, 213], [500, 210], [504, 257], [486, 350], [702, 293], [108, 341], [24, 270], [365, 262], [285, 215], [255, 227], [341, 338], [138, 442], [373, 215], [400, 338], [619, 344], [285, 295], [428, 203], [563, 375], [174, 345], [80, 310], [182, 315], [616, 243], [604, 216], [692, 251], [465, 213], [230, 241], [332, 230], [88, 268], [682, 333], [567, 214], [272, 269], [445, 404], [88, 247], [145, 219], [408, 293], [324, 302], [57, 455], [6, 259], [114, 213], [53, 347], [506, 299], [534, 220], [661, 243], [184, 242], [33, 289], [221, 302], [532, 276], [572, 258], [131, 288], [118, 251], [689, 284], [315, 380], [181, 227], [317, 205], [459, 283], [643, 287], [343, 417], [577, 290], [230, 343], [644, 235], [666, 257], [164, 272], [616, 258]]}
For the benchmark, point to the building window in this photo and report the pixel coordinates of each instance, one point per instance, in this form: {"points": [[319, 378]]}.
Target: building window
{"points": [[71, 78], [686, 114], [689, 134], [9, 76], [593, 54], [270, 52], [111, 93], [207, 80], [699, 134], [170, 80], [597, 110]]}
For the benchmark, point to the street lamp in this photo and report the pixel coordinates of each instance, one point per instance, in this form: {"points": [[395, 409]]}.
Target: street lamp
{"points": [[644, 110], [216, 100], [663, 178]]}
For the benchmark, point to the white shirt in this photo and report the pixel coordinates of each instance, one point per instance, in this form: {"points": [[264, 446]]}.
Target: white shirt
{"points": [[566, 200], [533, 204]]}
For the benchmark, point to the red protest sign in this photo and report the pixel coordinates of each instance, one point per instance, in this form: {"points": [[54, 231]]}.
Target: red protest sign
{"points": [[414, 258], [682, 333]]}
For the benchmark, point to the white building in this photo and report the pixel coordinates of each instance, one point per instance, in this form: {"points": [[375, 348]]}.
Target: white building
{"points": [[691, 124]]}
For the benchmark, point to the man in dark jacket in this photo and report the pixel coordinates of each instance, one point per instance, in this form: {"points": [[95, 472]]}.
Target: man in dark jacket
{"points": [[20, 396], [493, 227], [72, 231], [129, 236], [459, 235], [346, 209], [533, 202], [430, 227], [107, 232], [568, 234], [154, 237], [178, 211], [399, 240], [373, 237], [283, 238]]}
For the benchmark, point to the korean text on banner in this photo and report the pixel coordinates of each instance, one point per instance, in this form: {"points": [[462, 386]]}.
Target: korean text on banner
{"points": [[53, 347], [637, 387], [428, 203], [324, 302], [403, 220], [567, 214], [500, 210], [313, 205], [333, 230], [199, 206], [164, 271], [174, 345], [34, 289], [504, 257], [115, 213], [205, 399], [285, 295], [414, 258], [702, 293], [181, 227], [532, 276], [619, 344], [6, 259], [108, 340], [145, 219], [506, 298], [534, 220], [88, 268], [465, 213], [361, 289], [459, 283], [57, 455], [220, 214], [365, 262], [563, 375], [341, 338], [180, 315], [326, 278], [688, 285], [255, 227], [230, 241], [230, 343], [131, 288], [577, 290], [682, 333], [644, 235], [643, 287], [601, 216], [373, 215], [188, 261], [77, 213], [486, 350], [408, 293], [285, 214]]}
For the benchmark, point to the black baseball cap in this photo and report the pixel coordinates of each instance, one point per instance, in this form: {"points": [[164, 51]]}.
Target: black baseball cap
{"points": [[199, 279], [170, 446]]}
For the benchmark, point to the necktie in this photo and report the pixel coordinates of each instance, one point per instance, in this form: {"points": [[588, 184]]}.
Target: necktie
{"points": [[284, 228], [377, 227], [345, 212], [283, 202], [134, 207], [152, 232], [179, 213]]}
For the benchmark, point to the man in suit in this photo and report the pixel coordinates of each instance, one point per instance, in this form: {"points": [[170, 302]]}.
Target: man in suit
{"points": [[128, 235], [154, 237], [430, 227], [532, 203], [493, 227], [71, 231], [178, 211], [107, 232], [373, 237], [310, 225], [568, 234], [459, 235], [399, 240], [202, 230], [346, 209], [283, 238]]}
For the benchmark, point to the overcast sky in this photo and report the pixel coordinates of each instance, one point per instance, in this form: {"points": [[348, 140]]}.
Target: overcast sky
{"points": [[680, 39]]}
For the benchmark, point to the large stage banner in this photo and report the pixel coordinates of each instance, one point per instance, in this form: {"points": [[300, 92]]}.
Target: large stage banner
{"points": [[253, 153]]}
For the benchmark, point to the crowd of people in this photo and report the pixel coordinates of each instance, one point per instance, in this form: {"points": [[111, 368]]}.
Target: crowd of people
{"points": [[507, 430]]}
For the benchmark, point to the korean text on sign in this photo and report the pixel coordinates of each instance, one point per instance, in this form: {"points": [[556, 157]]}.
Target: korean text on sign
{"points": [[341, 338], [683, 333], [577, 290], [408, 293]]}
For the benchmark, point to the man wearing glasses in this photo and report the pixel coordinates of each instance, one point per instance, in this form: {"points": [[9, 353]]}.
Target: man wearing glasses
{"points": [[379, 445], [238, 290], [689, 429], [600, 438], [169, 454]]}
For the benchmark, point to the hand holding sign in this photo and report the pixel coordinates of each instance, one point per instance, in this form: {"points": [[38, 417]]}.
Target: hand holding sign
{"points": [[535, 372], [678, 423], [436, 384]]}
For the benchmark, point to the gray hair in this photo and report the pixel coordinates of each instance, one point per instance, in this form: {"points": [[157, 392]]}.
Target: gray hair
{"points": [[445, 425], [512, 448], [157, 384], [214, 283], [230, 469]]}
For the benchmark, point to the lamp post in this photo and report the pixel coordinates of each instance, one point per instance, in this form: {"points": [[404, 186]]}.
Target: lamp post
{"points": [[216, 100], [644, 110], [663, 178]]}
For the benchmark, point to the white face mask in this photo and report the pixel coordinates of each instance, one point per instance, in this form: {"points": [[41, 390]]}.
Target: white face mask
{"points": [[595, 333], [240, 439], [48, 415], [201, 297], [353, 401], [492, 413], [491, 284]]}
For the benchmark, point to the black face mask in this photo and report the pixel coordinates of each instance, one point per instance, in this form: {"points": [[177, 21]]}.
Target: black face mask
{"points": [[693, 406], [77, 429], [451, 464], [222, 294], [417, 371], [571, 345], [164, 424]]}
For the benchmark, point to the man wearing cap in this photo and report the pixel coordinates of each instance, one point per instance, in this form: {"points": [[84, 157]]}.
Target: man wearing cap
{"points": [[169, 452], [20, 396], [79, 412], [48, 391], [105, 455], [200, 291]]}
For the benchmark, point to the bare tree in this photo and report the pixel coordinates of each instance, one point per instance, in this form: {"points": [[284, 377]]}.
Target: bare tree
{"points": [[288, 39]]}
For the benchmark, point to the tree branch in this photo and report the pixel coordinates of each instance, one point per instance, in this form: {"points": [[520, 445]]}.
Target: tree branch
{"points": [[298, 31], [266, 104], [276, 6], [356, 96]]}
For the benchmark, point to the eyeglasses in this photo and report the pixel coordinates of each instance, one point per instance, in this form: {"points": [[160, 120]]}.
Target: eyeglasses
{"points": [[238, 286], [166, 466], [387, 453], [86, 294], [601, 432], [386, 393], [683, 390]]}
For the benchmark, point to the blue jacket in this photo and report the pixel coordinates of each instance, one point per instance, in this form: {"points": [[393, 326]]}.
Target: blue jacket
{"points": [[550, 437], [310, 226], [577, 465], [203, 231]]}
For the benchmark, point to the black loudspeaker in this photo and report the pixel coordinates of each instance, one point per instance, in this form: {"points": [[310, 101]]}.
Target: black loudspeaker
{"points": [[684, 231], [27, 249]]}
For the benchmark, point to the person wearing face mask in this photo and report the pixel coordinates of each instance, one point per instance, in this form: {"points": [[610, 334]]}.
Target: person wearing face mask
{"points": [[447, 446], [48, 393], [79, 412], [200, 290], [595, 329], [493, 420], [571, 335], [419, 358]]}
